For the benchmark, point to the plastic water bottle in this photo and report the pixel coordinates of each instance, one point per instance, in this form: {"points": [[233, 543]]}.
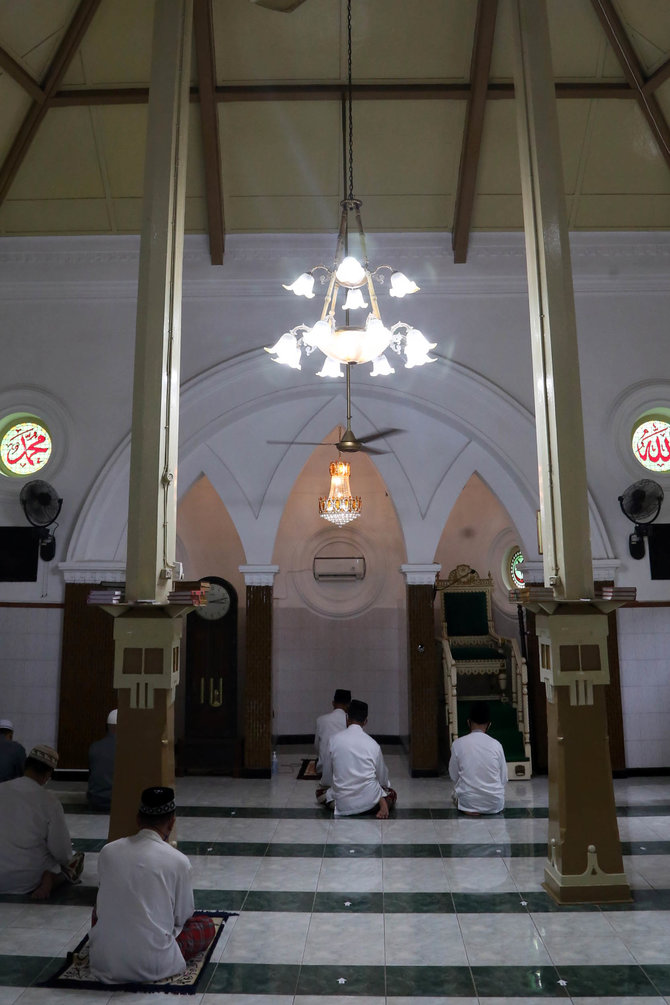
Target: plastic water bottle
{"points": [[275, 763]]}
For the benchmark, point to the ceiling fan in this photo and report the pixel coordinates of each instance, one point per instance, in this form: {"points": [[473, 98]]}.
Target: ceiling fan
{"points": [[348, 442]]}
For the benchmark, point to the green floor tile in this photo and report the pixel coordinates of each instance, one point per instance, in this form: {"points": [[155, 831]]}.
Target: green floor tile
{"points": [[254, 978], [538, 901], [279, 900], [353, 851], [219, 900], [607, 981], [232, 848], [293, 850], [341, 980], [429, 982], [22, 971], [659, 975], [418, 903], [518, 982], [88, 844], [644, 900], [488, 903], [411, 850], [348, 903]]}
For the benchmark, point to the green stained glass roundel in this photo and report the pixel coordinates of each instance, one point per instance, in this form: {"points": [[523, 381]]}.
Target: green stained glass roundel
{"points": [[25, 446], [515, 572], [651, 441]]}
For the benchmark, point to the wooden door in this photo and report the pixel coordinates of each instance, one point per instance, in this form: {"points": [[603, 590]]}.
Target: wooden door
{"points": [[210, 744]]}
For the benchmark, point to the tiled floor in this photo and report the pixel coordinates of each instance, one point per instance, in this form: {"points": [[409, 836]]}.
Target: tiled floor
{"points": [[426, 907]]}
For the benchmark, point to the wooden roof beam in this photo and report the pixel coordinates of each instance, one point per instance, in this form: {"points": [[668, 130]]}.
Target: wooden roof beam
{"points": [[657, 78], [21, 76], [587, 89], [633, 72], [206, 61], [480, 68], [56, 71]]}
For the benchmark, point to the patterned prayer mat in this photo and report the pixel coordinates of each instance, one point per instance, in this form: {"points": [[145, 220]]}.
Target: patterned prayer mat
{"points": [[75, 971], [308, 770]]}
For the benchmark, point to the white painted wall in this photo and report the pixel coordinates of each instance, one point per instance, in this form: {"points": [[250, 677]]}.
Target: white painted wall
{"points": [[67, 331]]}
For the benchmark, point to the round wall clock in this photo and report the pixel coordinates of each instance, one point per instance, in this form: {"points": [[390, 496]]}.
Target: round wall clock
{"points": [[218, 603]]}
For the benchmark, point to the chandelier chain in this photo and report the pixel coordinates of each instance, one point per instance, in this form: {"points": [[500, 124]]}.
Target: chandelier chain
{"points": [[349, 103]]}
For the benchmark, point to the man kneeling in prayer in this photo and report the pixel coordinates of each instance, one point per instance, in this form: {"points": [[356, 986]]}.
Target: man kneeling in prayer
{"points": [[144, 928], [354, 771]]}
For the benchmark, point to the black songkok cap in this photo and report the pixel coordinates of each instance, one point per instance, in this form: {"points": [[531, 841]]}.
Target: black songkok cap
{"points": [[158, 801], [342, 697], [358, 710]]}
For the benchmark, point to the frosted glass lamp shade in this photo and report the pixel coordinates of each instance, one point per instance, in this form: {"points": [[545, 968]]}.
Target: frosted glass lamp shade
{"points": [[286, 351], [401, 286], [303, 285]]}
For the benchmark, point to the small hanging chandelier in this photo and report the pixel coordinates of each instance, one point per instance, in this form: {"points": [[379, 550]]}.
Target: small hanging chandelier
{"points": [[341, 342], [340, 507]]}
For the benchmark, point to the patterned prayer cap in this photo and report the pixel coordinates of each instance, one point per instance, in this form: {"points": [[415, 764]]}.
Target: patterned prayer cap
{"points": [[157, 801], [46, 755]]}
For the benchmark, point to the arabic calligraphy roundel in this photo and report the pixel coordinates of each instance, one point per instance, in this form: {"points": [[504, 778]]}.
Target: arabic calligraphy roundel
{"points": [[25, 445], [651, 442]]}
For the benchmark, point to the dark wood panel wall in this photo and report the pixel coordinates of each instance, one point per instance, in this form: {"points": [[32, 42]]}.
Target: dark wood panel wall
{"points": [[87, 672]]}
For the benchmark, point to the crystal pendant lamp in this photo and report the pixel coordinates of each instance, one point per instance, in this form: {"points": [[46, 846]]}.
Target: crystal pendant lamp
{"points": [[340, 507]]}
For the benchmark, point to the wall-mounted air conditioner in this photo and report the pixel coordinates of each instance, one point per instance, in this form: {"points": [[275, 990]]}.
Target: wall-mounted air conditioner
{"points": [[338, 569]]}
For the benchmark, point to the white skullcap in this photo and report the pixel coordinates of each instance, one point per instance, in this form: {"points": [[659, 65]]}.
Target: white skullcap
{"points": [[111, 718], [6, 724]]}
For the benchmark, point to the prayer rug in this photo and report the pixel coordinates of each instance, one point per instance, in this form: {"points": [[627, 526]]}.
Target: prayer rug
{"points": [[75, 972], [308, 770]]}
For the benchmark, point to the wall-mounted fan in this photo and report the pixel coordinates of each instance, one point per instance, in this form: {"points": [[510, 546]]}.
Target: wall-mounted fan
{"points": [[348, 443], [42, 505], [641, 503]]}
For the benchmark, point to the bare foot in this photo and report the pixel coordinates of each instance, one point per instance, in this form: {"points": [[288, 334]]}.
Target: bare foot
{"points": [[383, 809], [43, 891]]}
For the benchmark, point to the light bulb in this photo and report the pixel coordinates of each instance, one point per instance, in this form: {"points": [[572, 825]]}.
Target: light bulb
{"points": [[401, 286], [354, 300], [287, 351], [350, 272], [303, 285]]}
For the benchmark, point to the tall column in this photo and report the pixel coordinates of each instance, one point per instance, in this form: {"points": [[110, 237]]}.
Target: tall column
{"points": [[584, 861], [147, 628], [422, 666], [259, 580]]}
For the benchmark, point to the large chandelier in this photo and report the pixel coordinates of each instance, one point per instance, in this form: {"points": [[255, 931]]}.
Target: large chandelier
{"points": [[340, 341], [340, 507]]}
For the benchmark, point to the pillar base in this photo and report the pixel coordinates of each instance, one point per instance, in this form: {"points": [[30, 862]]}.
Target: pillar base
{"points": [[593, 886]]}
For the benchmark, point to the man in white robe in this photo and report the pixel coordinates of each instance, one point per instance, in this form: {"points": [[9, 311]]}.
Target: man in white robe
{"points": [[477, 766], [355, 772], [144, 929], [35, 846], [326, 726]]}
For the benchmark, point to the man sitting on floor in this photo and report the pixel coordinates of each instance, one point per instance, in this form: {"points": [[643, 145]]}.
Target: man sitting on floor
{"points": [[101, 756], [35, 846], [12, 754], [477, 766], [144, 928], [326, 726], [355, 771]]}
